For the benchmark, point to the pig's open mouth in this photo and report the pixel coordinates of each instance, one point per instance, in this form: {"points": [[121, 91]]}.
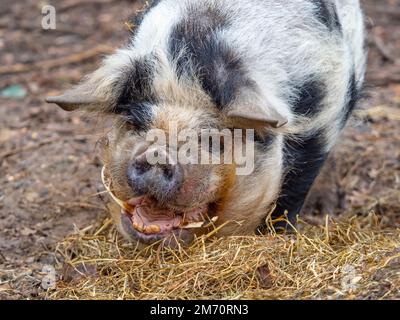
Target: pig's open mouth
{"points": [[148, 218], [148, 221]]}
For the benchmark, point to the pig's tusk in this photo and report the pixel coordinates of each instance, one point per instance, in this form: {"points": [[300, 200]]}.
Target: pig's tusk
{"points": [[203, 224], [106, 184]]}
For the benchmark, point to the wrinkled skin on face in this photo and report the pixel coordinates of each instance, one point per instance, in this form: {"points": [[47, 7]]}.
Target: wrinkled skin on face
{"points": [[155, 212], [173, 203]]}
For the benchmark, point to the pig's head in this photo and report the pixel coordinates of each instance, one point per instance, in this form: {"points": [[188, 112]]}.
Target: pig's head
{"points": [[158, 110]]}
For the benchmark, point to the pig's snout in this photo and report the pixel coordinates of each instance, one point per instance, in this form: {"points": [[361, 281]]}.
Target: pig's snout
{"points": [[162, 181]]}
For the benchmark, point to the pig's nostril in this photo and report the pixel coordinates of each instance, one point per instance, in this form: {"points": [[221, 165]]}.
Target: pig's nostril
{"points": [[141, 167], [160, 181], [168, 172]]}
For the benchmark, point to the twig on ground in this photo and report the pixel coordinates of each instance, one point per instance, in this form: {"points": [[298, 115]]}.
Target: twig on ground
{"points": [[57, 62], [83, 205], [2, 257], [14, 152], [40, 144], [76, 3], [61, 28]]}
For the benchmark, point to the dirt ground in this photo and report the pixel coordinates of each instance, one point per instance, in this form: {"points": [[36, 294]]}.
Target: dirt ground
{"points": [[49, 170]]}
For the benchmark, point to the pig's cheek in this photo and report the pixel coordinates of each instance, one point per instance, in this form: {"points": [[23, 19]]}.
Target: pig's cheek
{"points": [[192, 193], [188, 194]]}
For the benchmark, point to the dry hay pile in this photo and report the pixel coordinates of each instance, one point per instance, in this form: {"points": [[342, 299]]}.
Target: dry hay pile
{"points": [[356, 259]]}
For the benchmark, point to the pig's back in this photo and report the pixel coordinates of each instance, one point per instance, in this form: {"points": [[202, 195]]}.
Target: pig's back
{"points": [[290, 48], [271, 34]]}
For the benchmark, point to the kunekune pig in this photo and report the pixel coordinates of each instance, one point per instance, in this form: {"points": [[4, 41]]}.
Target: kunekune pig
{"points": [[292, 70]]}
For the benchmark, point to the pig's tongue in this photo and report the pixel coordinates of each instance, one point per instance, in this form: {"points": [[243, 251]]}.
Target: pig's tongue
{"points": [[151, 220], [147, 217]]}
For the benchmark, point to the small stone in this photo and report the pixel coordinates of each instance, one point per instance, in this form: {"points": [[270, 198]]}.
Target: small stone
{"points": [[14, 92], [31, 196], [27, 232], [264, 277]]}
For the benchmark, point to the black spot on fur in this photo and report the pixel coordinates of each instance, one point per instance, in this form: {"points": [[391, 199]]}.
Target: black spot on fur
{"points": [[137, 95], [304, 158], [138, 83], [137, 114], [310, 97], [327, 14], [200, 54]]}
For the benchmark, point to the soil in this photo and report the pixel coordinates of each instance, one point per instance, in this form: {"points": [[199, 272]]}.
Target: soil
{"points": [[49, 168]]}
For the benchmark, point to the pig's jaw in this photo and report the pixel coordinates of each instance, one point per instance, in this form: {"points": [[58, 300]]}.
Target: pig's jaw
{"points": [[145, 221]]}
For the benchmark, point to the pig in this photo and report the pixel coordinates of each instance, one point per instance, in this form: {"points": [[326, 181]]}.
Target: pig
{"points": [[291, 71]]}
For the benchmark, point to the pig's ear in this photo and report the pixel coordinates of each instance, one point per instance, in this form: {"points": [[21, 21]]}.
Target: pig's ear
{"points": [[257, 115], [74, 99]]}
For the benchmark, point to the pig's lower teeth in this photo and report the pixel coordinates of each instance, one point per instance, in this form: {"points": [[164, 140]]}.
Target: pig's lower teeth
{"points": [[198, 225], [137, 227], [153, 229]]}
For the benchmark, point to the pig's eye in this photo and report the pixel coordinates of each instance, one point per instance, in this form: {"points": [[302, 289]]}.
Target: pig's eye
{"points": [[137, 115]]}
